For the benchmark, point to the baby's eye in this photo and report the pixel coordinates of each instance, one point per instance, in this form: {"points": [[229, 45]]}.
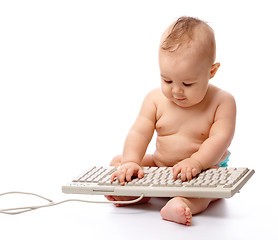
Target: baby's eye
{"points": [[187, 84], [167, 81]]}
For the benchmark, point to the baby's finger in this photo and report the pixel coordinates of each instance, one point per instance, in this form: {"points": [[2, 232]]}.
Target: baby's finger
{"points": [[112, 178], [176, 171], [189, 174], [140, 173], [184, 174], [129, 174], [121, 176], [194, 172]]}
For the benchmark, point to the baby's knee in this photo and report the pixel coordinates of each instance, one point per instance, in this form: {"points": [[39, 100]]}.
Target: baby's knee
{"points": [[116, 161]]}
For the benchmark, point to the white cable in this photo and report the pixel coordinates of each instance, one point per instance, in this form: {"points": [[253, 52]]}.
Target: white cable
{"points": [[51, 203]]}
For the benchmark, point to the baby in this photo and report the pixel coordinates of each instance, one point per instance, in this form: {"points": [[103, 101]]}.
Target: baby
{"points": [[194, 120]]}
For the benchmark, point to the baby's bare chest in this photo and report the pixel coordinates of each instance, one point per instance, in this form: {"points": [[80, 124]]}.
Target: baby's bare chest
{"points": [[192, 123]]}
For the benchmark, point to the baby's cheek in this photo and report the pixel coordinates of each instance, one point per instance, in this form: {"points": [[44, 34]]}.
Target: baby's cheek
{"points": [[166, 92], [195, 97]]}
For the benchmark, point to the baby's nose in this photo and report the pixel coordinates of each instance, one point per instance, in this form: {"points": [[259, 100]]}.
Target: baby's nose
{"points": [[177, 89]]}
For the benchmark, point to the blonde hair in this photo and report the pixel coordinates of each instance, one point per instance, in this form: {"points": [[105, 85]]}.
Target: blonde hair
{"points": [[188, 31]]}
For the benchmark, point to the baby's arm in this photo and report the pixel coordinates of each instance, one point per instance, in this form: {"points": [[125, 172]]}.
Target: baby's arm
{"points": [[137, 141], [214, 147]]}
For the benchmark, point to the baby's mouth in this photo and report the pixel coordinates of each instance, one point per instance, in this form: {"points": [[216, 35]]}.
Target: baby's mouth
{"points": [[180, 99]]}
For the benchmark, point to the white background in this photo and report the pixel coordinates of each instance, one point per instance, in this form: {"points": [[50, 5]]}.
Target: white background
{"points": [[72, 78]]}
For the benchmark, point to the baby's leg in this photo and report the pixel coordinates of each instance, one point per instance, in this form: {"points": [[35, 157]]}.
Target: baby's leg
{"points": [[180, 209], [116, 161], [146, 162]]}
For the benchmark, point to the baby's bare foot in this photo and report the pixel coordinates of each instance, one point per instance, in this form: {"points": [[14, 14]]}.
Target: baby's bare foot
{"points": [[176, 210], [126, 198]]}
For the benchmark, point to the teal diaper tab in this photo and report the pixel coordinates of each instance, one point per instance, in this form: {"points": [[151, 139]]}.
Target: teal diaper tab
{"points": [[225, 162]]}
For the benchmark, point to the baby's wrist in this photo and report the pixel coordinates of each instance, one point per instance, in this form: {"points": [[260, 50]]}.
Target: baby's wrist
{"points": [[199, 163], [127, 162]]}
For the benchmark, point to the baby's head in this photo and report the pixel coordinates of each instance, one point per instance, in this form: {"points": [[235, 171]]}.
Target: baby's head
{"points": [[189, 33], [186, 58]]}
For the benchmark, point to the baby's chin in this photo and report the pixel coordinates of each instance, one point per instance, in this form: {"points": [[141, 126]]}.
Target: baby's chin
{"points": [[185, 103]]}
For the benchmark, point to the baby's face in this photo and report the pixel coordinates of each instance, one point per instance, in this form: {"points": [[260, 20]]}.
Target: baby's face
{"points": [[184, 77]]}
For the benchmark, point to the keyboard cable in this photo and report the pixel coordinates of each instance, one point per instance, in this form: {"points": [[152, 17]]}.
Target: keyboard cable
{"points": [[51, 203]]}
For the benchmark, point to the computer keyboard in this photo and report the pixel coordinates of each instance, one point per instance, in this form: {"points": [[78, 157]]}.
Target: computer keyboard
{"points": [[158, 182]]}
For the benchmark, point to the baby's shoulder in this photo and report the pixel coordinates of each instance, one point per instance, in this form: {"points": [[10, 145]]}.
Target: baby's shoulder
{"points": [[152, 99], [155, 95], [223, 101], [219, 95], [155, 92]]}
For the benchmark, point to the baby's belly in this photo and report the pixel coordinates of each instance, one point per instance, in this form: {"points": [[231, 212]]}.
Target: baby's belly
{"points": [[173, 149]]}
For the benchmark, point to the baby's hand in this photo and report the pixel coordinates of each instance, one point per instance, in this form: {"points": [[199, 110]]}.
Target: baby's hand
{"points": [[188, 168], [126, 171]]}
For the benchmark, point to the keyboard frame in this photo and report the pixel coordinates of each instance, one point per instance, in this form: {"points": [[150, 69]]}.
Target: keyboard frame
{"points": [[156, 191]]}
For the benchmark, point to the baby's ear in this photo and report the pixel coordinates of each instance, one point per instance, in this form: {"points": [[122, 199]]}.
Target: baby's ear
{"points": [[214, 69]]}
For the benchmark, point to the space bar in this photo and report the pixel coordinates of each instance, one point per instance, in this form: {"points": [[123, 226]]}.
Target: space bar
{"points": [[101, 188]]}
